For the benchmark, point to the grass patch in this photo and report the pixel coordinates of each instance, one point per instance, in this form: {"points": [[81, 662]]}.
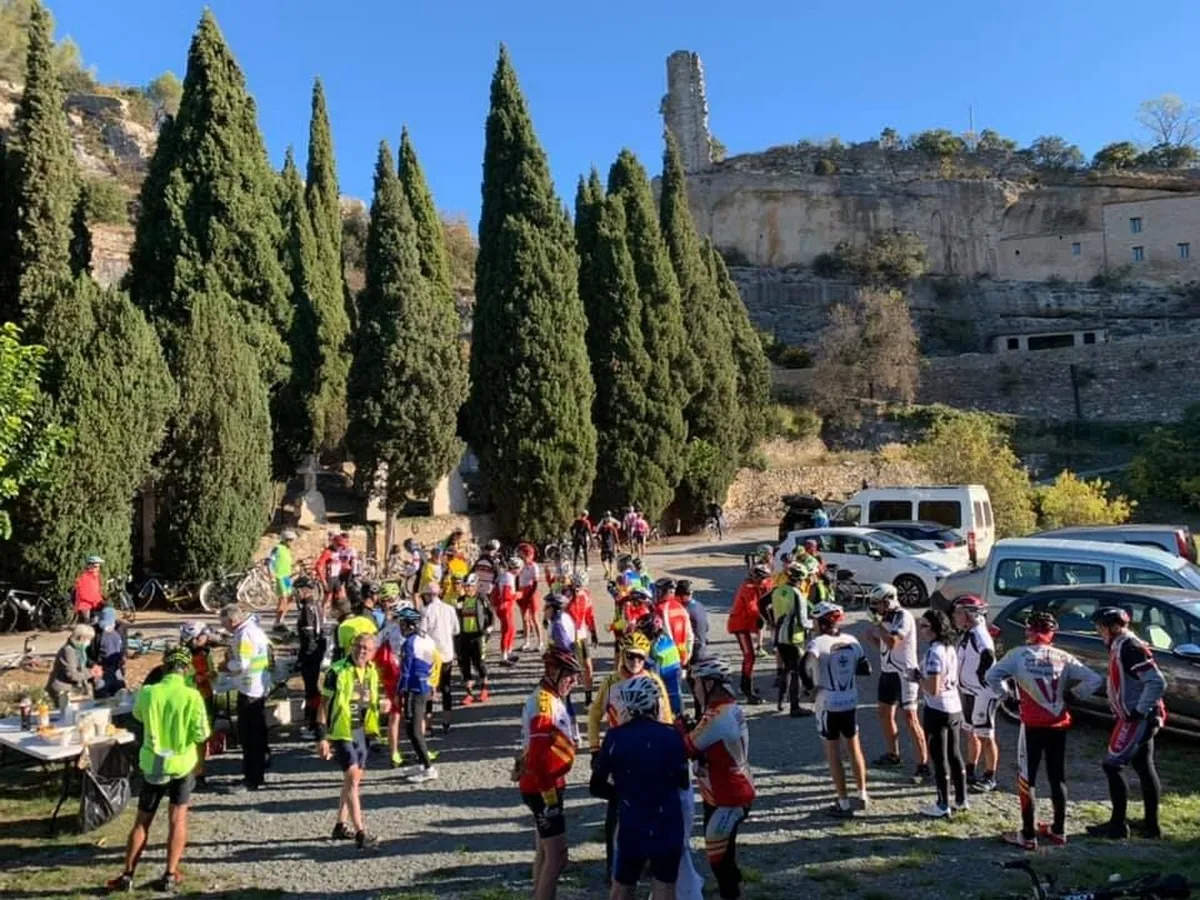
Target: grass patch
{"points": [[496, 893]]}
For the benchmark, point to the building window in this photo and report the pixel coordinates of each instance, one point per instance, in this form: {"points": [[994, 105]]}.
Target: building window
{"points": [[1185, 251], [1135, 225], [1139, 254], [1076, 249], [1051, 341], [1014, 343], [1089, 337]]}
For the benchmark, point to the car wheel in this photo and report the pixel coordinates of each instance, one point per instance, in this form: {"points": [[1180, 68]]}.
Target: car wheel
{"points": [[910, 590]]}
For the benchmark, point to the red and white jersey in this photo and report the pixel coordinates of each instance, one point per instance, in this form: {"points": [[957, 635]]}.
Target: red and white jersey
{"points": [[1135, 683], [505, 590], [720, 744], [547, 736], [1042, 674], [529, 575]]}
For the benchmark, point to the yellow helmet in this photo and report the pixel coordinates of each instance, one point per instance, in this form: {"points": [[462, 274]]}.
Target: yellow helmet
{"points": [[636, 644]]}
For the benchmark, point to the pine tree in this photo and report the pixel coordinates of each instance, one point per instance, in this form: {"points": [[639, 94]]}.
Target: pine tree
{"points": [[326, 398], [405, 386], [528, 415], [291, 409], [664, 338], [753, 370], [81, 238], [713, 414], [106, 383], [208, 225], [48, 182], [215, 490]]}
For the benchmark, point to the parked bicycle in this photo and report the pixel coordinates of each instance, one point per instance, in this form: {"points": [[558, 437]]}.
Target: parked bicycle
{"points": [[1149, 887], [116, 591], [25, 659], [219, 591], [157, 590], [137, 645], [40, 610], [849, 593]]}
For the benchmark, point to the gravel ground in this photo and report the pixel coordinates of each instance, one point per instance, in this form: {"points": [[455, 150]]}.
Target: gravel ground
{"points": [[468, 836]]}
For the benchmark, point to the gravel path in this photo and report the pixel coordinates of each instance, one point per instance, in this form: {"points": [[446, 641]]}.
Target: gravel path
{"points": [[468, 836]]}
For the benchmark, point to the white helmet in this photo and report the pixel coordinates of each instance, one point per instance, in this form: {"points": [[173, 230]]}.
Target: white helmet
{"points": [[288, 534], [885, 594], [492, 546], [826, 608], [711, 667], [639, 697], [189, 631]]}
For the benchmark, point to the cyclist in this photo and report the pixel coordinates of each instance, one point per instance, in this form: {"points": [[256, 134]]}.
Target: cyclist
{"points": [[548, 752], [813, 550], [893, 631], [248, 658], [174, 723], [504, 600], [977, 654], [310, 625], [943, 713], [582, 530], [675, 618], [714, 517], [720, 744], [608, 533], [832, 661], [487, 570], [789, 615], [329, 570], [1041, 673], [745, 618], [643, 766], [635, 606], [583, 614], [388, 653], [474, 628], [664, 658], [628, 525], [432, 570], [88, 593], [420, 666], [1135, 691], [349, 715], [641, 531], [194, 637], [439, 620], [279, 564], [533, 638], [359, 621]]}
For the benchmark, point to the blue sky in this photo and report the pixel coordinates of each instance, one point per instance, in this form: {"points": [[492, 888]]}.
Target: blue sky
{"points": [[594, 72]]}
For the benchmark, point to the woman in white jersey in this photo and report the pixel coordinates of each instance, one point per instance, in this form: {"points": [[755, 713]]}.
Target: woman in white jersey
{"points": [[938, 678], [832, 661]]}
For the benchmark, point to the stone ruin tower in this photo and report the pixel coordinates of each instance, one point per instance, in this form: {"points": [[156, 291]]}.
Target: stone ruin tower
{"points": [[685, 109]]}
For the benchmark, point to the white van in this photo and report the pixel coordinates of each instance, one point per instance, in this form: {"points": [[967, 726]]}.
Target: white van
{"points": [[1018, 565], [967, 508]]}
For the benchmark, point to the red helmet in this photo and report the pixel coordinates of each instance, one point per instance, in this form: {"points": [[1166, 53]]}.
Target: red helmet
{"points": [[561, 660], [971, 603]]}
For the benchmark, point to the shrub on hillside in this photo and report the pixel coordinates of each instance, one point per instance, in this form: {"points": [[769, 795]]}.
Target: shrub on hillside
{"points": [[106, 202], [825, 166], [1075, 501], [1167, 469], [795, 423]]}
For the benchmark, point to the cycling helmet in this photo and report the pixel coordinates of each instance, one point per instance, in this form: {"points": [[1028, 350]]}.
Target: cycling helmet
{"points": [[189, 631], [970, 603], [810, 546], [94, 560], [712, 667], [515, 562], [391, 590], [492, 546], [827, 610], [370, 589], [409, 617], [409, 545], [636, 562], [178, 658], [1110, 617], [650, 625], [636, 644], [883, 594], [288, 534], [1041, 622], [764, 550], [625, 561], [664, 585], [303, 582], [760, 571], [639, 698], [578, 579], [471, 580], [639, 590], [562, 660], [555, 601]]}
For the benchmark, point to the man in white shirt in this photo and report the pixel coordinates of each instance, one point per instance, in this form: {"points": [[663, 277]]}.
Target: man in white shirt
{"points": [[440, 622], [977, 654], [247, 660], [894, 632]]}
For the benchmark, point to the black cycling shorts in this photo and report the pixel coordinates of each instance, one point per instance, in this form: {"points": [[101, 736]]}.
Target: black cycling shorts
{"points": [[893, 691], [628, 865], [353, 752], [178, 790], [548, 818], [834, 725]]}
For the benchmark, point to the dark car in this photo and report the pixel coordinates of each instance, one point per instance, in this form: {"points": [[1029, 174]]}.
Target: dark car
{"points": [[1167, 619], [798, 513], [930, 534]]}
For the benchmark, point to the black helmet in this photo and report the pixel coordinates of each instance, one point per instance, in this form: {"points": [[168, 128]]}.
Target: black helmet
{"points": [[1110, 617], [1041, 621], [664, 585]]}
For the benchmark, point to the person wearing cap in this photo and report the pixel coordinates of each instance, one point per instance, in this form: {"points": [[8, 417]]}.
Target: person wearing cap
{"points": [[174, 723], [664, 659], [88, 592], [420, 666], [745, 619], [310, 626], [108, 652], [1041, 675], [789, 617], [71, 672], [977, 654], [1135, 690], [248, 660], [474, 628], [195, 636], [279, 564], [440, 621]]}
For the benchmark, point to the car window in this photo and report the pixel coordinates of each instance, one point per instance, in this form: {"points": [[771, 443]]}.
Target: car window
{"points": [[1131, 575], [1015, 577], [944, 512], [849, 515], [1074, 613], [886, 510], [987, 513], [829, 543], [853, 545], [897, 545], [1189, 574], [949, 536], [1161, 627], [979, 523]]}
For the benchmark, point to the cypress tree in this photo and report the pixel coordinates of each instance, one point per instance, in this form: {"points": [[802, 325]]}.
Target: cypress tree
{"points": [[405, 386], [664, 338], [292, 406], [753, 370], [48, 183], [326, 398], [81, 238], [106, 383], [528, 414], [712, 413], [215, 490], [10, 309], [209, 226]]}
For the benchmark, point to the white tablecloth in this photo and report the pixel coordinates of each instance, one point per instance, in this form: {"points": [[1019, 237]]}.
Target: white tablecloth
{"points": [[50, 749]]}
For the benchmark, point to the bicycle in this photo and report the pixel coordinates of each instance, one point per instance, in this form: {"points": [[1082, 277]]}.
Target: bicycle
{"points": [[1148, 887], [26, 659], [169, 594], [256, 588], [39, 610], [712, 528], [218, 592], [120, 599], [846, 591], [136, 645]]}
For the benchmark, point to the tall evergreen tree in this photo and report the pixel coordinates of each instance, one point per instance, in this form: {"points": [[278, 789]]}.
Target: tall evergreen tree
{"points": [[405, 384], [107, 385], [666, 342], [48, 182], [528, 415], [10, 270], [215, 490], [292, 406], [81, 238], [713, 414], [208, 225], [753, 370], [326, 399]]}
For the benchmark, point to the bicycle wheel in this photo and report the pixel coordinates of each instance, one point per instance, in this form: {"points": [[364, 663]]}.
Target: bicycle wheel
{"points": [[123, 604], [147, 593], [51, 613], [256, 591], [9, 616], [213, 595]]}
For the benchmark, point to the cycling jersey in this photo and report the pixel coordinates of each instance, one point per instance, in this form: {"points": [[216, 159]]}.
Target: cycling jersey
{"points": [[486, 568], [942, 659], [745, 614], [583, 614], [89, 593], [546, 736], [528, 576], [720, 744], [581, 529], [609, 706], [609, 534], [279, 562], [562, 632], [174, 721], [789, 607], [249, 658], [474, 616], [1135, 683], [679, 626], [430, 573], [420, 665], [352, 698], [902, 658], [833, 663], [664, 657], [1042, 673], [976, 654], [505, 592]]}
